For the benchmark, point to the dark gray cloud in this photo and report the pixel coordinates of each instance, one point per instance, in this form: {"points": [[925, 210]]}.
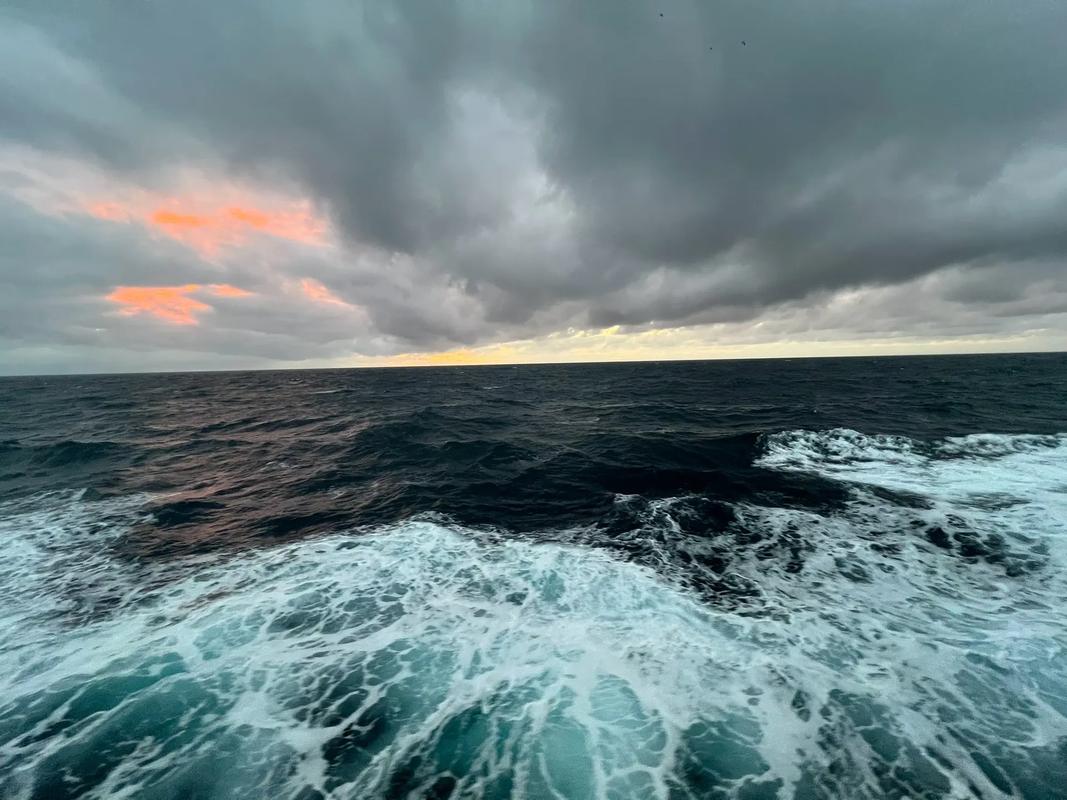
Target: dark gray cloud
{"points": [[501, 171]]}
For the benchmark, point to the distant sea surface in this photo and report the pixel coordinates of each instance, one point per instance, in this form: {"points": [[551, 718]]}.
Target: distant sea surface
{"points": [[834, 578]]}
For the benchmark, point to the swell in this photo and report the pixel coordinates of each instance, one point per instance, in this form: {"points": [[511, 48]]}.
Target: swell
{"points": [[387, 472], [59, 455]]}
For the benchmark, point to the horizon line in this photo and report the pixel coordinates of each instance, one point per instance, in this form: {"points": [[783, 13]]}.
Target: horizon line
{"points": [[479, 364]]}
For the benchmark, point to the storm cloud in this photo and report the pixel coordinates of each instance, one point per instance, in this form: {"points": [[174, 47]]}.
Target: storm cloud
{"points": [[378, 179]]}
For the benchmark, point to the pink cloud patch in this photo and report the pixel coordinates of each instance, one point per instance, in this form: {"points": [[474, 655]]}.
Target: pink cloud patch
{"points": [[225, 290], [112, 212], [314, 290], [209, 231], [173, 304], [208, 226]]}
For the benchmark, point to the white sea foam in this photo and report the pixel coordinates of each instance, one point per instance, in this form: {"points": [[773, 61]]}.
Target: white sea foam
{"points": [[348, 663], [424, 659], [953, 469]]}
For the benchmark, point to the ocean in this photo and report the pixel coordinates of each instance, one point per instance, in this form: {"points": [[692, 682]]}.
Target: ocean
{"points": [[827, 578]]}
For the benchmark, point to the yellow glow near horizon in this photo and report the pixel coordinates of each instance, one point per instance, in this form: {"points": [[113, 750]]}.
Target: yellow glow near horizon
{"points": [[688, 344]]}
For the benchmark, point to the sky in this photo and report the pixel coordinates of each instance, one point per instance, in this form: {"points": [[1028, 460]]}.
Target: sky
{"points": [[206, 185]]}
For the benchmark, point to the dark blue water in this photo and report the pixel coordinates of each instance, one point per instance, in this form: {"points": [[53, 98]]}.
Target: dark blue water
{"points": [[808, 578]]}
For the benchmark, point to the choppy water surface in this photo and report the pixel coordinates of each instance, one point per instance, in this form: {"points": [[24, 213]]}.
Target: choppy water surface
{"points": [[803, 579]]}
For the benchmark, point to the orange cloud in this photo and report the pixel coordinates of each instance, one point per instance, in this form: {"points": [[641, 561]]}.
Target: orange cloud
{"points": [[208, 232], [208, 227], [173, 218], [319, 293], [225, 290], [297, 225], [112, 212], [170, 303]]}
